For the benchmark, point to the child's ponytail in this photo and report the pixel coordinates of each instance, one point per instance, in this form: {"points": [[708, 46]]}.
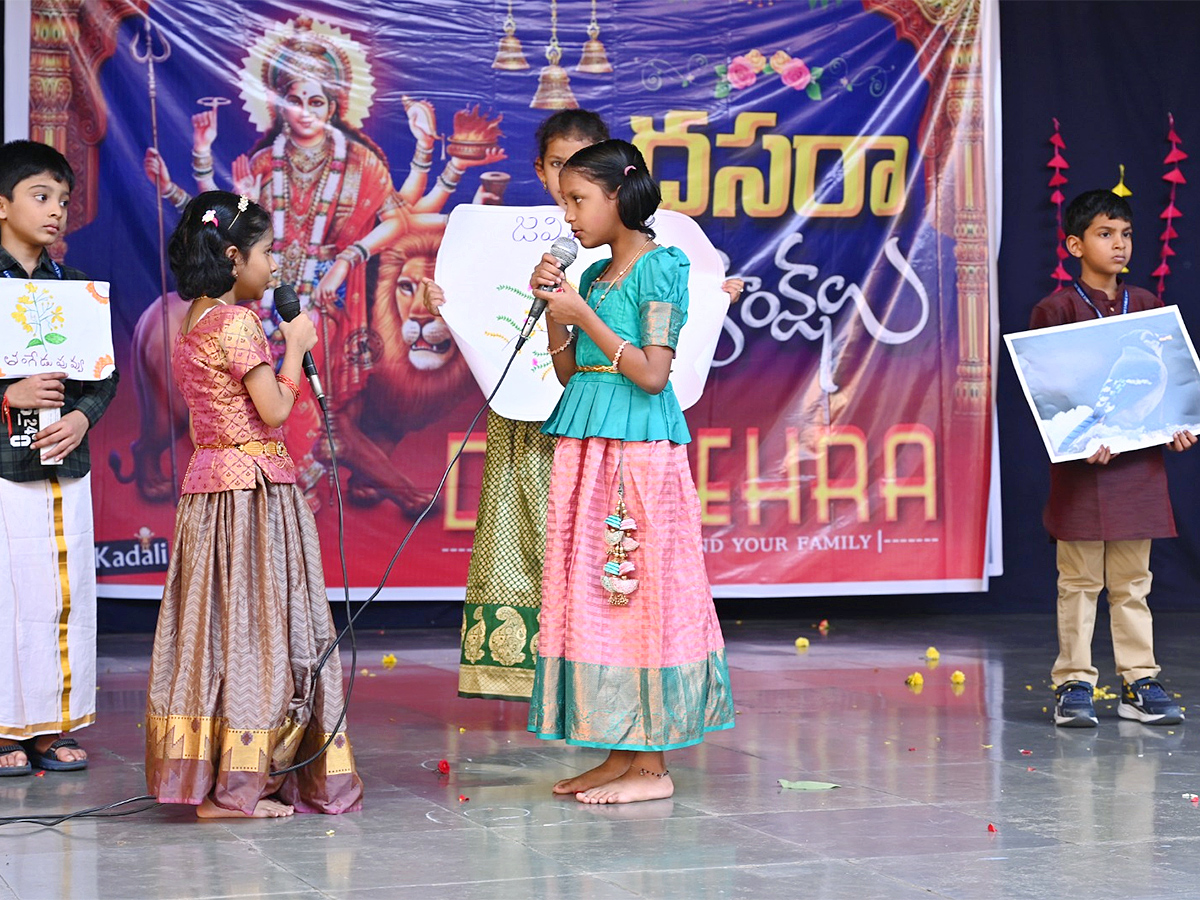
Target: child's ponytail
{"points": [[619, 168], [212, 223]]}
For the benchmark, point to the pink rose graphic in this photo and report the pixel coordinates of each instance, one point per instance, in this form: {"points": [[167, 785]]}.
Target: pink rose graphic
{"points": [[741, 73], [795, 75]]}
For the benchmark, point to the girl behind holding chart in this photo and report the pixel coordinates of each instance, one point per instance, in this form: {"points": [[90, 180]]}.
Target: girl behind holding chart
{"points": [[504, 582]]}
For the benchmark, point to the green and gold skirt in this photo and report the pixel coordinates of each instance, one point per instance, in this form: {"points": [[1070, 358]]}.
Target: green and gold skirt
{"points": [[504, 583]]}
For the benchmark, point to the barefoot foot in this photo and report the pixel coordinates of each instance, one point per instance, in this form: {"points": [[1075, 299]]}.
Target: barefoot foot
{"points": [[264, 809], [616, 765], [633, 786]]}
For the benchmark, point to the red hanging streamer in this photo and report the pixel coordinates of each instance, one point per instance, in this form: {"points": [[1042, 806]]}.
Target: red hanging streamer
{"points": [[1173, 177], [1057, 180]]}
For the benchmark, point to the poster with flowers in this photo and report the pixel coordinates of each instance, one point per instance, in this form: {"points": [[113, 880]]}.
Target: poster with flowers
{"points": [[55, 326], [744, 70]]}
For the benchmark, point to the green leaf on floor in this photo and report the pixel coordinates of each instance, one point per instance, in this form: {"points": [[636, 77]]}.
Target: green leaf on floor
{"points": [[807, 785]]}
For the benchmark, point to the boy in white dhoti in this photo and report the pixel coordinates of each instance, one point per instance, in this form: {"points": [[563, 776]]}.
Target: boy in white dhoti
{"points": [[48, 593]]}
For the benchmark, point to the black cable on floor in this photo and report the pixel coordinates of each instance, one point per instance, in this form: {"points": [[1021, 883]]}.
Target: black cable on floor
{"points": [[95, 811]]}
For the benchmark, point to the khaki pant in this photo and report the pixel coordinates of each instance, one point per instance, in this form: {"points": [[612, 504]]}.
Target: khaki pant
{"points": [[1084, 567]]}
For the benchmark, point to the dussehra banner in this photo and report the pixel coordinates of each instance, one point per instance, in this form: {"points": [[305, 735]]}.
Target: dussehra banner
{"points": [[839, 154]]}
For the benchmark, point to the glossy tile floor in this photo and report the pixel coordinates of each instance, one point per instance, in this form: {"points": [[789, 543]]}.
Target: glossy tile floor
{"points": [[1097, 813]]}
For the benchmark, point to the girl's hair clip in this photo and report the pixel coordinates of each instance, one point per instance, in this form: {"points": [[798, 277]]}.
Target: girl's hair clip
{"points": [[629, 169], [210, 215], [243, 202]]}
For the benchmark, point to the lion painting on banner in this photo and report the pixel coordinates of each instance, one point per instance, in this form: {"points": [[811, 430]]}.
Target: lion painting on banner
{"points": [[418, 371]]}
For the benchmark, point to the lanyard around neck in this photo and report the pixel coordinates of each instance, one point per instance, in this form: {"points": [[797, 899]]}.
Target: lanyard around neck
{"points": [[58, 272], [1088, 300]]}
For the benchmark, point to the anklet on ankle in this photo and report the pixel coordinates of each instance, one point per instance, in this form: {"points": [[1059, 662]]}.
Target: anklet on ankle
{"points": [[663, 774]]}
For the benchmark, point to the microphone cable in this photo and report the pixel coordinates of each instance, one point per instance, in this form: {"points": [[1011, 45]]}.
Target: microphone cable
{"points": [[51, 821]]}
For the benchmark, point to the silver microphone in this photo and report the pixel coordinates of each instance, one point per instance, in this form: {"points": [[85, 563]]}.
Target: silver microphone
{"points": [[564, 249]]}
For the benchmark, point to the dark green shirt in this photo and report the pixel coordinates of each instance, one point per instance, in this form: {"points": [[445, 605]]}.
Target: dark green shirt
{"points": [[19, 463]]}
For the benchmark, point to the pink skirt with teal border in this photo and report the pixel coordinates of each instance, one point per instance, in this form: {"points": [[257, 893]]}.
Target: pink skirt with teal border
{"points": [[650, 675]]}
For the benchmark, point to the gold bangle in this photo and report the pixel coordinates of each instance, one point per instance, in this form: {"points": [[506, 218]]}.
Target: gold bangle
{"points": [[617, 356]]}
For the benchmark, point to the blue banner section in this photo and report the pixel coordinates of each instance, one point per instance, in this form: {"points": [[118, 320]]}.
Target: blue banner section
{"points": [[834, 152]]}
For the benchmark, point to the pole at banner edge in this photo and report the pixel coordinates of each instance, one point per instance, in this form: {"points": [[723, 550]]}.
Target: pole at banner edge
{"points": [[149, 57]]}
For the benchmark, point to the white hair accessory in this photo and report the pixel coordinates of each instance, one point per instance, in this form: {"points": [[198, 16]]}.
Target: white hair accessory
{"points": [[243, 202]]}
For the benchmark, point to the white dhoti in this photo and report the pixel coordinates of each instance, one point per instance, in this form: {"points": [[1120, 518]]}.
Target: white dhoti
{"points": [[47, 607]]}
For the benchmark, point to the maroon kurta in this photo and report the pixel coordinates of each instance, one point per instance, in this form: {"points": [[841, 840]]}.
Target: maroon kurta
{"points": [[1127, 499]]}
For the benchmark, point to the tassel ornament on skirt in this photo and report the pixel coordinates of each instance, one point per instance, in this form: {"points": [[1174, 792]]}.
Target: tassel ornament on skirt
{"points": [[618, 569]]}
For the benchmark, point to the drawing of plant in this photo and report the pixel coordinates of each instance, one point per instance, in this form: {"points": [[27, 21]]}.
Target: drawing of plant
{"points": [[539, 360], [39, 314]]}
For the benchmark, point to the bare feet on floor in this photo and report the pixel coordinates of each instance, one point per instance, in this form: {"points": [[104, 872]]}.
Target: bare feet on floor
{"points": [[614, 767], [264, 809], [634, 785]]}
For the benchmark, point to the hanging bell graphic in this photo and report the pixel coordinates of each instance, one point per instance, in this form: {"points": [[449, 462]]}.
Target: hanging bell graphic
{"points": [[554, 85], [510, 56], [594, 59]]}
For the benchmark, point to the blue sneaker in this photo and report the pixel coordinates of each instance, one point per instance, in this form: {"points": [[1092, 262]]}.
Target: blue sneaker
{"points": [[1147, 702], [1073, 706]]}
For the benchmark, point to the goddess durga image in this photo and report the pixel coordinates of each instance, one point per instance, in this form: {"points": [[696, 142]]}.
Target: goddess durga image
{"points": [[308, 88]]}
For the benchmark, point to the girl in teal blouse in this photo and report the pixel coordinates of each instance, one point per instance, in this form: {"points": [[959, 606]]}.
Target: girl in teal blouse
{"points": [[630, 657]]}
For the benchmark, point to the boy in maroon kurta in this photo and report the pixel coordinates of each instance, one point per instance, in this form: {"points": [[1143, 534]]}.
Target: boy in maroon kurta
{"points": [[1103, 511]]}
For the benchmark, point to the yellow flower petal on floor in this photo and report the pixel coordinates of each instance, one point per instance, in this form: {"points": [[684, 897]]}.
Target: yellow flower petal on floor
{"points": [[389, 661], [957, 677], [932, 653], [801, 643]]}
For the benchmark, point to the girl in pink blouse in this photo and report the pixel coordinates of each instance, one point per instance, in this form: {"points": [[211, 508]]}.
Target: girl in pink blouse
{"points": [[245, 616]]}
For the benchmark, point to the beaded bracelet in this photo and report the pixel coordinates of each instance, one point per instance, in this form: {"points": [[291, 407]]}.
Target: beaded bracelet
{"points": [[617, 356], [569, 341], [290, 385]]}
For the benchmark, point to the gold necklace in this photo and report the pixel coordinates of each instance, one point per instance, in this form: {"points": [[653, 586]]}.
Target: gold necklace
{"points": [[615, 281], [308, 159]]}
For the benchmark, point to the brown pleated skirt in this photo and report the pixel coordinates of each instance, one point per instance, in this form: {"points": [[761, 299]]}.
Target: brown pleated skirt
{"points": [[244, 621]]}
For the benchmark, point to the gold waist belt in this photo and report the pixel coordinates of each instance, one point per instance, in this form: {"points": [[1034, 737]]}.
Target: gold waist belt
{"points": [[608, 368], [254, 448]]}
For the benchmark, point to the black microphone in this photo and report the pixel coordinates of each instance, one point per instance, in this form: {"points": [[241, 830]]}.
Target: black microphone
{"points": [[287, 304], [564, 250]]}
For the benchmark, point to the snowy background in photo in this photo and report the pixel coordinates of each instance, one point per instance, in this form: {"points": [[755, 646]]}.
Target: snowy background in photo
{"points": [[1125, 382]]}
